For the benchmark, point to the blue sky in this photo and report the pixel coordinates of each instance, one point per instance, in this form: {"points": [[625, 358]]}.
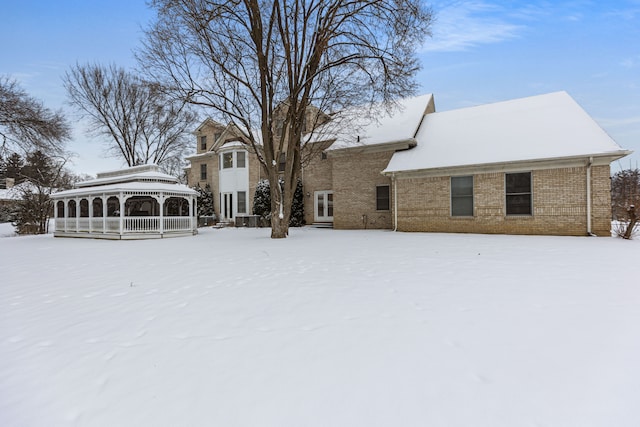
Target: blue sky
{"points": [[480, 52]]}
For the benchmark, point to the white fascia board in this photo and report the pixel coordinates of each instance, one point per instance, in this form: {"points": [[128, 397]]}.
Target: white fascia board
{"points": [[599, 159]]}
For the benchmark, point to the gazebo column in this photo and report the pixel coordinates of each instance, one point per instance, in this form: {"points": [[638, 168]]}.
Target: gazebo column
{"points": [[66, 213], [90, 206], [161, 200], [121, 199], [193, 207], [104, 213], [77, 214]]}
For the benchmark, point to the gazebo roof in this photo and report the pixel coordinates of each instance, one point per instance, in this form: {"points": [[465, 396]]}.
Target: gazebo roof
{"points": [[145, 173], [137, 178]]}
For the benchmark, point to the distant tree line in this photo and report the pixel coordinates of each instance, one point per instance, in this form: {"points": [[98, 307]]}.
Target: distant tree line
{"points": [[35, 177]]}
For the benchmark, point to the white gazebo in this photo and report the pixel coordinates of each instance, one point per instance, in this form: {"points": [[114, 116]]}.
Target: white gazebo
{"points": [[134, 203]]}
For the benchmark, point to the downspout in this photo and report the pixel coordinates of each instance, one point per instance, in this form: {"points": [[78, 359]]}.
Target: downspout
{"points": [[589, 162], [395, 202]]}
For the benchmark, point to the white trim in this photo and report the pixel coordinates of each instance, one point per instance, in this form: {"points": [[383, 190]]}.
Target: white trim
{"points": [[325, 197], [510, 167]]}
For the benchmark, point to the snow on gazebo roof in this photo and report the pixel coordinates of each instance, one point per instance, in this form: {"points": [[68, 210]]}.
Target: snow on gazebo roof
{"points": [[543, 127], [148, 173], [136, 178]]}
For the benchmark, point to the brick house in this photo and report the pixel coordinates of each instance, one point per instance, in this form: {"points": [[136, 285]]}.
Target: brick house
{"points": [[537, 165]]}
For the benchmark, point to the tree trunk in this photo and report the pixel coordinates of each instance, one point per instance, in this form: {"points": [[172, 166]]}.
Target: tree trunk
{"points": [[279, 228], [631, 211]]}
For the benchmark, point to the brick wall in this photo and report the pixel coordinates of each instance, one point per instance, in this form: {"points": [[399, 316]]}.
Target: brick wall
{"points": [[317, 176], [354, 191], [559, 204]]}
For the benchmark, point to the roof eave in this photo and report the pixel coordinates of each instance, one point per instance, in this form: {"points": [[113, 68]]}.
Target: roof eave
{"points": [[399, 145], [596, 159]]}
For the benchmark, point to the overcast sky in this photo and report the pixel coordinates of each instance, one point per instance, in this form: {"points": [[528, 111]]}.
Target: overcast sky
{"points": [[480, 52]]}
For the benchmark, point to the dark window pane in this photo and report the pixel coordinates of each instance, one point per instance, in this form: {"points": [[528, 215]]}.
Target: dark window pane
{"points": [[382, 198], [462, 206], [518, 193], [241, 159], [462, 196], [518, 182], [242, 202], [462, 186], [227, 160], [203, 172]]}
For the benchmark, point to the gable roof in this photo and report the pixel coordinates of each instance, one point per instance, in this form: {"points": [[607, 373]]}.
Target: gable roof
{"points": [[542, 127], [354, 129]]}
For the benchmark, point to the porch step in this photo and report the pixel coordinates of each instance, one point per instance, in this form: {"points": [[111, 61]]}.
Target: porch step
{"points": [[322, 225]]}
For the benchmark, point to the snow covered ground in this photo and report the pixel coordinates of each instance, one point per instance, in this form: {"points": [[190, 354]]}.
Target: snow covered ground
{"points": [[326, 328]]}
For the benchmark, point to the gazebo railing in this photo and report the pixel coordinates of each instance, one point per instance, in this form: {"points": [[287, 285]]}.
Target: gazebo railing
{"points": [[142, 224], [134, 224], [177, 223]]}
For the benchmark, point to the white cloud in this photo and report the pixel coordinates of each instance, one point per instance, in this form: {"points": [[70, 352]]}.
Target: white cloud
{"points": [[631, 62], [464, 24]]}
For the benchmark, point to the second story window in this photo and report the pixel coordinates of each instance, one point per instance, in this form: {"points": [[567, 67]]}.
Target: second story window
{"points": [[227, 160], [283, 162], [241, 159], [203, 142], [203, 172]]}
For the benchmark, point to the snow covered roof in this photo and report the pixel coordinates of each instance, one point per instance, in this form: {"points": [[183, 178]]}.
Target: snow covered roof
{"points": [[137, 178], [148, 173], [127, 186], [233, 144], [352, 129], [542, 127]]}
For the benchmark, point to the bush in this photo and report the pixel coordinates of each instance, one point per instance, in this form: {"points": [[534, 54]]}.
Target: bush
{"points": [[262, 204], [205, 201]]}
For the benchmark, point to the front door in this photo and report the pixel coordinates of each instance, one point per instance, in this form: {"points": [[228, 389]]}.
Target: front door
{"points": [[323, 206], [226, 205]]}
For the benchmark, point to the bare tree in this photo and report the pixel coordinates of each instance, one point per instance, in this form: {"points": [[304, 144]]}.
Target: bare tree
{"points": [[261, 65], [26, 124], [143, 125], [625, 196]]}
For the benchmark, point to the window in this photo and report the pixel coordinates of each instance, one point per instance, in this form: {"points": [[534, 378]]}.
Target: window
{"points": [[203, 172], [283, 162], [462, 196], [241, 159], [382, 198], [203, 142], [324, 155], [227, 160], [518, 193], [242, 202], [216, 136]]}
